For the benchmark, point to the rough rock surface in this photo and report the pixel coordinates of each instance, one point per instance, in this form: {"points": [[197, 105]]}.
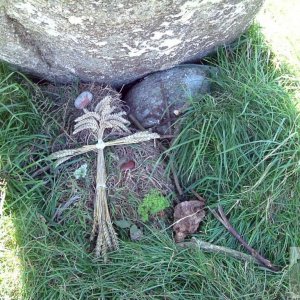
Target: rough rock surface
{"points": [[115, 41], [159, 98]]}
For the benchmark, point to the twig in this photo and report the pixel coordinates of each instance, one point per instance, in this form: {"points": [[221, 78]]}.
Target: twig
{"points": [[136, 122], [167, 136], [175, 177], [64, 206], [208, 247], [220, 215], [176, 180], [198, 196], [40, 171]]}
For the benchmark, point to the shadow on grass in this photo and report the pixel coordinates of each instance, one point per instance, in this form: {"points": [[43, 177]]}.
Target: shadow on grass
{"points": [[212, 154]]}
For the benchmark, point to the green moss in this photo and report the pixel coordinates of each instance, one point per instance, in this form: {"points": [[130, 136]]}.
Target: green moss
{"points": [[153, 203]]}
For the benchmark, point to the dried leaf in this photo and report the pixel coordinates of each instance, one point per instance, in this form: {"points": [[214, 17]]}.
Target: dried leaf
{"points": [[187, 217], [123, 223], [129, 165]]}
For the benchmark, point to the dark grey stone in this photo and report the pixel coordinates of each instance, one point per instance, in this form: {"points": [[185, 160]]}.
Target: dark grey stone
{"points": [[159, 98]]}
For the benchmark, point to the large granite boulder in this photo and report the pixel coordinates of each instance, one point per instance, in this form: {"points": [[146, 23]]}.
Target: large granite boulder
{"points": [[115, 41]]}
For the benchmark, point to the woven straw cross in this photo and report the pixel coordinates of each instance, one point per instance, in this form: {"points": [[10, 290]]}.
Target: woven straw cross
{"points": [[96, 122]]}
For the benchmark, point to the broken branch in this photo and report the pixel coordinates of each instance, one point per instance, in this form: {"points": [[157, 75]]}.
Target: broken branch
{"points": [[211, 248], [220, 215]]}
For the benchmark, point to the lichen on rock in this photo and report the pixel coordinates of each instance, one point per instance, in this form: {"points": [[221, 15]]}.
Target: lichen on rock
{"points": [[115, 42]]}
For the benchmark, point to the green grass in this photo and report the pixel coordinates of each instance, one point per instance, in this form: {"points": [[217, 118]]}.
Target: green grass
{"points": [[238, 147]]}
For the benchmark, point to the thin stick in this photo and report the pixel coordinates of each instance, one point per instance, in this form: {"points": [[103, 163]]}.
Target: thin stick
{"points": [[198, 196], [40, 171], [136, 122], [176, 180], [208, 247], [167, 136], [220, 215], [64, 206], [175, 177]]}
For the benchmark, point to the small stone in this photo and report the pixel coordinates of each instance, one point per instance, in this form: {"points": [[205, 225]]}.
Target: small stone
{"points": [[135, 233], [83, 100], [176, 112]]}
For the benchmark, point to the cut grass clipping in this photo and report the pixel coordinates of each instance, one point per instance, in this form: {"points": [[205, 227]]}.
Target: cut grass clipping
{"points": [[239, 147]]}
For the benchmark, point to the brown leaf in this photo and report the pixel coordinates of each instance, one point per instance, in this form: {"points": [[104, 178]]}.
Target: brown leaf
{"points": [[187, 216], [129, 165]]}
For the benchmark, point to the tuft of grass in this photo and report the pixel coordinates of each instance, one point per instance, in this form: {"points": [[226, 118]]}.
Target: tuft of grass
{"points": [[19, 124], [239, 147]]}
